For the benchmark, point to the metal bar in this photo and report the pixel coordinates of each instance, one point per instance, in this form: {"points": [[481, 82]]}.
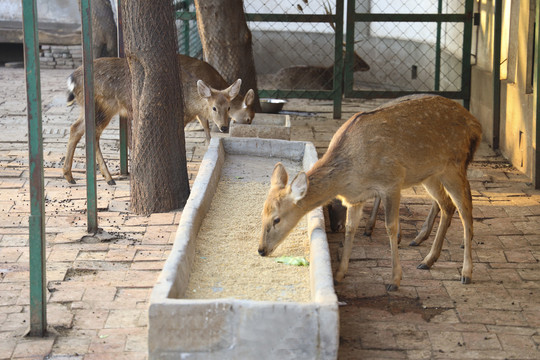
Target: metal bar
{"points": [[338, 60], [438, 51], [123, 120], [358, 17], [89, 115], [368, 17], [497, 74], [349, 48], [300, 94], [536, 80], [38, 300], [466, 56], [300, 18], [185, 28], [388, 94]]}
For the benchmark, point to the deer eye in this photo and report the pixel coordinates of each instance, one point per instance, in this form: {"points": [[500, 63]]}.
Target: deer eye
{"points": [[276, 221], [229, 109], [214, 108]]}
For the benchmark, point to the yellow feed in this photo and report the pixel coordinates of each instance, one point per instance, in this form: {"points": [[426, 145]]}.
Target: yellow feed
{"points": [[227, 264]]}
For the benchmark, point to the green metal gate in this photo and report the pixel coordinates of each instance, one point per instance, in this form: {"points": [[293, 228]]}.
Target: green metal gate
{"points": [[421, 47], [425, 52]]}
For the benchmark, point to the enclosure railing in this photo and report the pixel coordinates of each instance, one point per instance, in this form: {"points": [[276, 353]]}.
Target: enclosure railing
{"points": [[336, 93], [466, 18]]}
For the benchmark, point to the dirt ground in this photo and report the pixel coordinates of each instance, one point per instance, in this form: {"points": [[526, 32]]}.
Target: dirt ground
{"points": [[98, 290]]}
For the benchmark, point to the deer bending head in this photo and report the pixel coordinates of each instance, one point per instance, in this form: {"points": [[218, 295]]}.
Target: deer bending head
{"points": [[219, 102], [277, 224]]}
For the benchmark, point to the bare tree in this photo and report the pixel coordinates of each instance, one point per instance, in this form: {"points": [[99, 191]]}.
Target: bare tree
{"points": [[226, 41], [159, 180]]}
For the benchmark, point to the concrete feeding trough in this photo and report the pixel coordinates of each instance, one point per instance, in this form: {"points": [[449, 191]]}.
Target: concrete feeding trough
{"points": [[265, 126], [182, 327]]}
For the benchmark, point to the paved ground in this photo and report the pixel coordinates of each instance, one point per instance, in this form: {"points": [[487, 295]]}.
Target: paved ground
{"points": [[98, 291]]}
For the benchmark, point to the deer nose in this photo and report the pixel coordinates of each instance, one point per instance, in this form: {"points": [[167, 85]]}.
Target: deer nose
{"points": [[262, 252], [224, 129]]}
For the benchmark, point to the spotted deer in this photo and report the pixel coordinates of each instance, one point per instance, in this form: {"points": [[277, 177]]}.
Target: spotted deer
{"points": [[112, 92], [424, 139]]}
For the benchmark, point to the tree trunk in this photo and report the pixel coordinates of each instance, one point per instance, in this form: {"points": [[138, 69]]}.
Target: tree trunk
{"points": [[226, 42], [159, 180]]}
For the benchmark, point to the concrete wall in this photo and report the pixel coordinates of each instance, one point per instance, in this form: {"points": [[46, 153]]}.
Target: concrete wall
{"points": [[58, 11], [517, 100]]}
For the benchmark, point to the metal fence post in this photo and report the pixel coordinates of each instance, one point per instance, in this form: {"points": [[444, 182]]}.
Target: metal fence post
{"points": [[89, 115], [38, 300], [123, 119], [497, 74], [338, 60], [536, 120]]}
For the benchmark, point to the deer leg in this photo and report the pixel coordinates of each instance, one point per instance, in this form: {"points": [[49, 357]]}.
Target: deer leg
{"points": [[391, 214], [101, 162], [458, 187], [206, 127], [427, 226], [76, 132], [443, 201], [370, 224], [354, 215]]}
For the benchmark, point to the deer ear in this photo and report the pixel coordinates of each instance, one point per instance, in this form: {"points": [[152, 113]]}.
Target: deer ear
{"points": [[279, 176], [234, 89], [203, 89], [250, 96], [299, 186]]}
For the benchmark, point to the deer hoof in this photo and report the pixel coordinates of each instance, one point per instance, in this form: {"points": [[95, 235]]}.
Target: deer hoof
{"points": [[413, 243], [111, 182], [391, 287], [423, 267], [465, 280], [339, 277]]}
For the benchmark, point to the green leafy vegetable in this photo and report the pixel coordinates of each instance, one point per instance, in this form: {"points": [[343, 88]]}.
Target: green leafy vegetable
{"points": [[293, 260]]}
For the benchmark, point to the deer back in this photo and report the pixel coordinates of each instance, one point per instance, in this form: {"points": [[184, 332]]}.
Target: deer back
{"points": [[112, 87], [402, 144]]}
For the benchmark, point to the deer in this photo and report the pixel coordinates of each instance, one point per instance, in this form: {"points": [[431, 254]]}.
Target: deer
{"points": [[299, 77], [311, 77], [112, 91], [337, 213], [426, 139]]}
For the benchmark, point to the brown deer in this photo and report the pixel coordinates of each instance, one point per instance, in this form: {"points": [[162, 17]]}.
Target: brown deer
{"points": [[424, 139], [310, 77], [112, 91], [338, 212]]}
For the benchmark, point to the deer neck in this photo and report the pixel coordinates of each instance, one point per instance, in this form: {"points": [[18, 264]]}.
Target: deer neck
{"points": [[323, 186]]}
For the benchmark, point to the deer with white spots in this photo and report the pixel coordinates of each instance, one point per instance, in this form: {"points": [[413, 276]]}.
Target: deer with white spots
{"points": [[426, 139]]}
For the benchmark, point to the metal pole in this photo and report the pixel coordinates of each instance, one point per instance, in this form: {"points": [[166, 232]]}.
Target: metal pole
{"points": [[438, 51], [338, 60], [89, 115], [497, 74], [536, 122], [123, 120], [38, 300], [466, 54]]}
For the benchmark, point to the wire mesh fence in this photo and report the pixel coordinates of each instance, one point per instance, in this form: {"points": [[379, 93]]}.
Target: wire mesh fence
{"points": [[394, 47]]}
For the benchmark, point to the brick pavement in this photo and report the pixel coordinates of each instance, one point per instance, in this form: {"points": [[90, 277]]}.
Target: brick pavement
{"points": [[98, 291]]}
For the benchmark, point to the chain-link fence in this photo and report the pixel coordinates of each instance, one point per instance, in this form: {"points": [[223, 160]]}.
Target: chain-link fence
{"points": [[189, 42], [421, 46], [394, 47]]}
